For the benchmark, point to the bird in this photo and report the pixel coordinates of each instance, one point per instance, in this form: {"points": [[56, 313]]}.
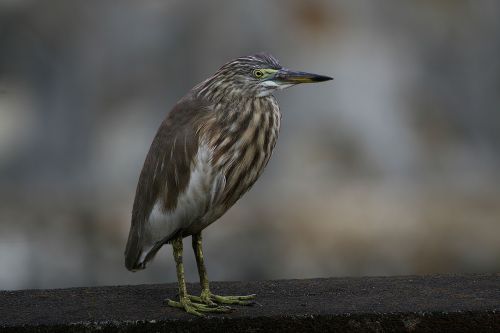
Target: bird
{"points": [[208, 151]]}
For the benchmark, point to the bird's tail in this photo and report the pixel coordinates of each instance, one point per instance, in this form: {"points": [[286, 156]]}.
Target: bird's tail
{"points": [[133, 252], [138, 254]]}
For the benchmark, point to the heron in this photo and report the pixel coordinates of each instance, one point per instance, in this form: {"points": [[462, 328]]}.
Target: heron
{"points": [[208, 151]]}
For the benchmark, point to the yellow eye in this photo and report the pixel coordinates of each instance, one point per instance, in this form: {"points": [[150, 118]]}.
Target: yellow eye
{"points": [[258, 73]]}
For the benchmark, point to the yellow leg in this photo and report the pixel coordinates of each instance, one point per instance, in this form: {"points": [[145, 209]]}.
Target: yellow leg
{"points": [[206, 296], [193, 307]]}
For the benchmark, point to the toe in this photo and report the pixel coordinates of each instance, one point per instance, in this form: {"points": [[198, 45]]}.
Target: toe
{"points": [[195, 298], [241, 298], [192, 311], [174, 303], [238, 300], [207, 308], [202, 300]]}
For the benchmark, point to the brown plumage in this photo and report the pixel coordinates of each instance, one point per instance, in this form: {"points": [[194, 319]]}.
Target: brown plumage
{"points": [[207, 153]]}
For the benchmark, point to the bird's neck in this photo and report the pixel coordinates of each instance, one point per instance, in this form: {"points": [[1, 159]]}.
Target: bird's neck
{"points": [[232, 115], [241, 135], [230, 105]]}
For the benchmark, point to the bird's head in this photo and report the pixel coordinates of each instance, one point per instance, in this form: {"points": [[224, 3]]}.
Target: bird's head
{"points": [[257, 75]]}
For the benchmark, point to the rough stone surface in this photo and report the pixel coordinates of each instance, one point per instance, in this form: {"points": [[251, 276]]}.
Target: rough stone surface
{"points": [[444, 303]]}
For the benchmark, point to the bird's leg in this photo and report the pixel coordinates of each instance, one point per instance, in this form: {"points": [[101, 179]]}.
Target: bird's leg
{"points": [[206, 296], [202, 272], [185, 302]]}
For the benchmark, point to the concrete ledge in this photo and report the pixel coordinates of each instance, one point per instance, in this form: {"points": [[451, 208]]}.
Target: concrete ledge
{"points": [[444, 303]]}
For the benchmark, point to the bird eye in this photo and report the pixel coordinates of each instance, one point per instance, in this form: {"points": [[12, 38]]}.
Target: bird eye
{"points": [[258, 73]]}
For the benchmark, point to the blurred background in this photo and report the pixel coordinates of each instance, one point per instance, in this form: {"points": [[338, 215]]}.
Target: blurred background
{"points": [[391, 169]]}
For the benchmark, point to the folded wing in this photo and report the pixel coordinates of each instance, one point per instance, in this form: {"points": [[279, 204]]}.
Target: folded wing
{"points": [[164, 178]]}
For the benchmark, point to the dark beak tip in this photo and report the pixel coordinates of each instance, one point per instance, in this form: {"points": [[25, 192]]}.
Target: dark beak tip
{"points": [[322, 78]]}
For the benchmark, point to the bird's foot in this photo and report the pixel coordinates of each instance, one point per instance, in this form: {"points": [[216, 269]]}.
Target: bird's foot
{"points": [[197, 308], [210, 299]]}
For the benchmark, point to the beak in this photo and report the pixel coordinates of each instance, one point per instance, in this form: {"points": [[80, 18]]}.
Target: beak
{"points": [[291, 77]]}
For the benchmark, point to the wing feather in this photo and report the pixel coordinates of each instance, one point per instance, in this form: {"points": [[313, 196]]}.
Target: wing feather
{"points": [[165, 174]]}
